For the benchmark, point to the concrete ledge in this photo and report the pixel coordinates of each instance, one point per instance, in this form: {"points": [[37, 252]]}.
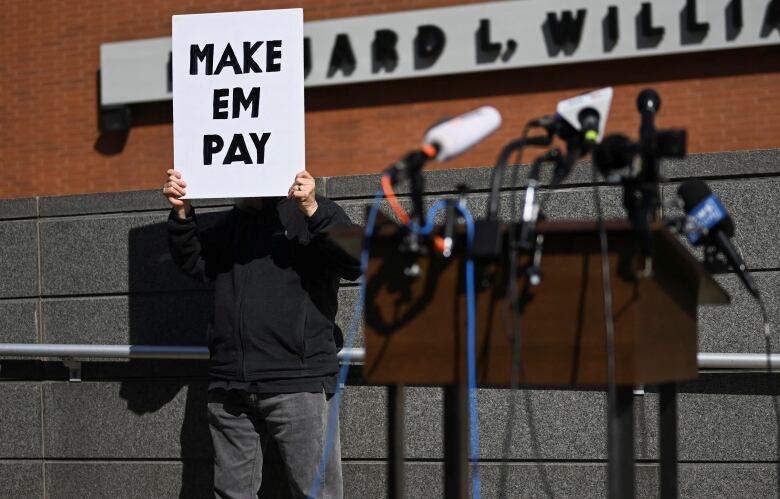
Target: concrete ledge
{"points": [[114, 202], [18, 208], [442, 180], [765, 162]]}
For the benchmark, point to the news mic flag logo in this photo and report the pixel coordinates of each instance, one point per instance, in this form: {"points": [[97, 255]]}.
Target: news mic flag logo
{"points": [[705, 215]]}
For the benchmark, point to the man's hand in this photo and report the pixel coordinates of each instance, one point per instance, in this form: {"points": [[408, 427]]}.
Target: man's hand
{"points": [[302, 191], [173, 189]]}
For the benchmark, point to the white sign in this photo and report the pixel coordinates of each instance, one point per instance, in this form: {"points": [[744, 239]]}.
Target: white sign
{"points": [[238, 128]]}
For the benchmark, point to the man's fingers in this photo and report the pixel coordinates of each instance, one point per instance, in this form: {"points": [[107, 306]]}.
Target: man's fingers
{"points": [[302, 186], [176, 190]]}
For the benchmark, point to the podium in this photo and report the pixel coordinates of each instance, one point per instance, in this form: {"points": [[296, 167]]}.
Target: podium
{"points": [[415, 330]]}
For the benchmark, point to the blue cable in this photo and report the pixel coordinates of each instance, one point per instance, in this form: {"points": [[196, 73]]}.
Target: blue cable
{"points": [[348, 342], [471, 333], [428, 227], [470, 340], [471, 349]]}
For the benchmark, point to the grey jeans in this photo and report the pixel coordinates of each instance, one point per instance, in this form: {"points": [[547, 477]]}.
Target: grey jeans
{"points": [[241, 425]]}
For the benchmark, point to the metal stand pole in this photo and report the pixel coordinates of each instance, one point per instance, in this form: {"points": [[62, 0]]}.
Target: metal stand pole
{"points": [[395, 441], [668, 446], [456, 469], [621, 449]]}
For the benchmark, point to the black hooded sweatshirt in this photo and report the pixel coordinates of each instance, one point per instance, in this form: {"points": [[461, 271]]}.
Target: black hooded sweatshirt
{"points": [[276, 282]]}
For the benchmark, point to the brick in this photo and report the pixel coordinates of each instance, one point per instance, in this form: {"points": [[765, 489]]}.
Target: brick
{"points": [[351, 130]]}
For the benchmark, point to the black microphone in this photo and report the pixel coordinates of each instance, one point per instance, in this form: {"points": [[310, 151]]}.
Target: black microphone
{"points": [[615, 152], [713, 226], [648, 100]]}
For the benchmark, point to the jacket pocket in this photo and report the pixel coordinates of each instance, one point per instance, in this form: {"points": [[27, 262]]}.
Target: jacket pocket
{"points": [[318, 333]]}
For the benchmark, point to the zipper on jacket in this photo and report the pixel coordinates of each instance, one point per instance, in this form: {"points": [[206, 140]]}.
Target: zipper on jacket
{"points": [[242, 345], [240, 317]]}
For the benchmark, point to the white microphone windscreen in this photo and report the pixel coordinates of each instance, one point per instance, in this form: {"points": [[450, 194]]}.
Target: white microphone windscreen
{"points": [[458, 134]]}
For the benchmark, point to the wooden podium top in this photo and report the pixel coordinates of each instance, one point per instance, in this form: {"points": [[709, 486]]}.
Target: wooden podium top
{"points": [[415, 326]]}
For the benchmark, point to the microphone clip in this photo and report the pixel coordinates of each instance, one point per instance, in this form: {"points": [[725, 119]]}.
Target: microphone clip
{"points": [[406, 167], [714, 260]]}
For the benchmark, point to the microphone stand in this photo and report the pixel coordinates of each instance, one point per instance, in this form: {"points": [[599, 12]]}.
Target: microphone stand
{"points": [[418, 186], [410, 167], [497, 174], [641, 195]]}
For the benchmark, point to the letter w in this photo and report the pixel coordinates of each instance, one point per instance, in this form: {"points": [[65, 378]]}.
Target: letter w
{"points": [[567, 30]]}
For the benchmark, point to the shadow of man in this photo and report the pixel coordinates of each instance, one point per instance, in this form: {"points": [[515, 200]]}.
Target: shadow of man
{"points": [[167, 308]]}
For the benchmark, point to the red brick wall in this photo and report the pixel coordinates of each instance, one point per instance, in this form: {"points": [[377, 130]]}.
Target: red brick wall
{"points": [[48, 97]]}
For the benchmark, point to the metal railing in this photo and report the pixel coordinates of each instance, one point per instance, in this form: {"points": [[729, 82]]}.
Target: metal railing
{"points": [[71, 355], [706, 360]]}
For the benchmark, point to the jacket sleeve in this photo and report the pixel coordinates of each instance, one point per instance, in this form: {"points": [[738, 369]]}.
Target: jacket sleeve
{"points": [[328, 216], [195, 251]]}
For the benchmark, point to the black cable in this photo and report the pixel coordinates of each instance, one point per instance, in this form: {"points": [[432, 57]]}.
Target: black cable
{"points": [[513, 306], [767, 332], [514, 312], [770, 378], [610, 331], [497, 174]]}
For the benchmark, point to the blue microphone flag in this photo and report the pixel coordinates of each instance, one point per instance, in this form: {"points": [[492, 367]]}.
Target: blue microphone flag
{"points": [[705, 215]]}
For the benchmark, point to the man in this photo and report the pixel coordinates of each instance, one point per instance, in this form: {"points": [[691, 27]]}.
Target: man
{"points": [[273, 340]]}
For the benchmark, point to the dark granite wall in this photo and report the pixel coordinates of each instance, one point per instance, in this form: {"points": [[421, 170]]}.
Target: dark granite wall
{"points": [[95, 269]]}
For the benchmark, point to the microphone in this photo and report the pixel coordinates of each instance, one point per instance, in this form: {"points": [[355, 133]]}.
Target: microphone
{"points": [[615, 152], [649, 101], [580, 121], [447, 140], [713, 226], [455, 136], [587, 113]]}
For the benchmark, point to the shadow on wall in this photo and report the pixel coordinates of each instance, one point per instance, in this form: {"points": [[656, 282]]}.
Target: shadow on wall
{"points": [[114, 122], [169, 318], [168, 308]]}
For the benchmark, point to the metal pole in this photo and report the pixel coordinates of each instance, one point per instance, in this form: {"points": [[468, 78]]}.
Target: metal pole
{"points": [[707, 360], [456, 469], [668, 425], [395, 441], [621, 453]]}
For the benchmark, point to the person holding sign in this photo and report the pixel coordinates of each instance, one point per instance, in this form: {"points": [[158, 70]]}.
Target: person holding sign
{"points": [[273, 340]]}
